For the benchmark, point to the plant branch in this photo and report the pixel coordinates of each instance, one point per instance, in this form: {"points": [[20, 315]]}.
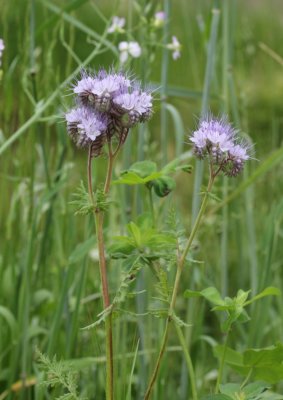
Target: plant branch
{"points": [[180, 266]]}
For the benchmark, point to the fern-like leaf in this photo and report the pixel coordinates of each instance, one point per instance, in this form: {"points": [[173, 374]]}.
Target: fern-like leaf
{"points": [[56, 376], [82, 201]]}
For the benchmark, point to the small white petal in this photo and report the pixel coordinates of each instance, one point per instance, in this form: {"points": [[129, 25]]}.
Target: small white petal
{"points": [[134, 49], [123, 46], [123, 56]]}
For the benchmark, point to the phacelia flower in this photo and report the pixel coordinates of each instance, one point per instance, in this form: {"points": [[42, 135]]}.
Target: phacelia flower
{"points": [[109, 104], [236, 159], [129, 48], [85, 126], [2, 47], [217, 140], [134, 107], [117, 25], [175, 46], [100, 89], [159, 19]]}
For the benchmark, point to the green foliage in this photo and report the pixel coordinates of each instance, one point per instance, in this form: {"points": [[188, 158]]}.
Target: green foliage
{"points": [[82, 201], [216, 397], [143, 239], [101, 201], [140, 173], [145, 173], [253, 391], [58, 376], [265, 364], [233, 307]]}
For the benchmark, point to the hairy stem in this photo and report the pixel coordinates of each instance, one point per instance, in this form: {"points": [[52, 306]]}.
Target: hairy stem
{"points": [[180, 266], [99, 217]]}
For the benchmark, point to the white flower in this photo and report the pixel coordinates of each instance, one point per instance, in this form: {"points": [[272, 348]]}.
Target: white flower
{"points": [[2, 47], [117, 25], [159, 19], [129, 48], [175, 46]]}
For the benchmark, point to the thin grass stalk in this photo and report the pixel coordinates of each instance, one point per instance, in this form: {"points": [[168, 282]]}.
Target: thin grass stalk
{"points": [[188, 360], [164, 83], [198, 175], [71, 338], [222, 362]]}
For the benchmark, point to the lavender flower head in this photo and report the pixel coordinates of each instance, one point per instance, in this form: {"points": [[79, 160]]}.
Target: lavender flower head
{"points": [[134, 107], [85, 126], [109, 104], [100, 89], [217, 140]]}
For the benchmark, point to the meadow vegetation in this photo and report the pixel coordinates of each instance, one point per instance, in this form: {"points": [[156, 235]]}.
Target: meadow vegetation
{"points": [[226, 336]]}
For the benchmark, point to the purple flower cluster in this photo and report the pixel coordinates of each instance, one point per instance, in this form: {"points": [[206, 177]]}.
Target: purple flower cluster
{"points": [[108, 104], [217, 140]]}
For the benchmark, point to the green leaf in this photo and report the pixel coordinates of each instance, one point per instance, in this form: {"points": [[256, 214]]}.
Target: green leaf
{"points": [[135, 232], [254, 389], [266, 363], [144, 221], [241, 297], [192, 293], [230, 389], [217, 397], [232, 357], [251, 391], [131, 178], [269, 291], [160, 240], [211, 294], [143, 168], [122, 247], [265, 356]]}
